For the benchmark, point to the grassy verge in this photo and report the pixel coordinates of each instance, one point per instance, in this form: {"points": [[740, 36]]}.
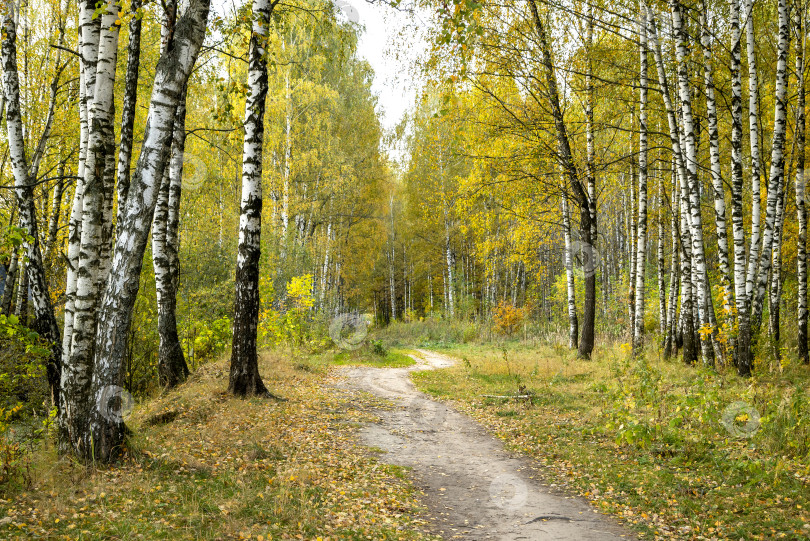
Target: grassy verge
{"points": [[675, 451], [204, 465], [391, 358]]}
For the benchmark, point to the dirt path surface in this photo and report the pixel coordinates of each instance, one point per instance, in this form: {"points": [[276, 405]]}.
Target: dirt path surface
{"points": [[474, 489]]}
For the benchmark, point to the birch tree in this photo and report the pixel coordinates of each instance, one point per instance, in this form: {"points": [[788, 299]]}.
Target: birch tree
{"points": [[641, 242], [776, 178], [104, 434], [244, 376], [801, 190]]}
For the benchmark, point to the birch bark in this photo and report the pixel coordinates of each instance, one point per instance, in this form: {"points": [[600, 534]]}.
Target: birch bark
{"points": [[104, 435], [244, 375]]}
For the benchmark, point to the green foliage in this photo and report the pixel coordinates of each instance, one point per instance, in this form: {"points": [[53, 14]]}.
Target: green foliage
{"points": [[213, 338], [23, 395]]}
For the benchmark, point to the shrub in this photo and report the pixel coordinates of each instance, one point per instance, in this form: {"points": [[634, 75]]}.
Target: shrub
{"points": [[508, 318]]}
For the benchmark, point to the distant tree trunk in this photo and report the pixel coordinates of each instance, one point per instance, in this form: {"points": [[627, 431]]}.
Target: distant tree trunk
{"points": [[129, 104], [586, 342], [801, 192], [44, 318], [641, 242], [671, 341], [244, 377], [573, 322], [662, 285], [53, 220], [777, 173], [104, 434], [632, 234]]}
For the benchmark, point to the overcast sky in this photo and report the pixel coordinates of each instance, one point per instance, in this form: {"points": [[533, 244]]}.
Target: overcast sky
{"points": [[390, 43]]}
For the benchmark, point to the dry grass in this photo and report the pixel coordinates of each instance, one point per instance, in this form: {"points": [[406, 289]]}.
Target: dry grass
{"points": [[204, 465]]}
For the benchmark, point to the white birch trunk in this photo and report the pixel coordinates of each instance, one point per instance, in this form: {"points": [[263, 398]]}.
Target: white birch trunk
{"points": [[104, 434], [573, 322], [777, 172], [801, 192], [641, 241], [753, 136]]}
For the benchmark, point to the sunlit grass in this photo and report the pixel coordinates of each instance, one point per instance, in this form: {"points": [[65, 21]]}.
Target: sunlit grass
{"points": [[644, 441]]}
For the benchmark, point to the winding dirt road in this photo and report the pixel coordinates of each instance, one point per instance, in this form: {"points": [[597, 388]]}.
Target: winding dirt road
{"points": [[474, 489]]}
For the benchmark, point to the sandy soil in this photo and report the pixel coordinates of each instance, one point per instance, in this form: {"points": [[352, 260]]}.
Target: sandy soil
{"points": [[473, 488]]}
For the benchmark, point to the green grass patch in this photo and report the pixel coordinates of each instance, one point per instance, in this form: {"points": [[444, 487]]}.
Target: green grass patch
{"points": [[677, 452], [392, 358]]}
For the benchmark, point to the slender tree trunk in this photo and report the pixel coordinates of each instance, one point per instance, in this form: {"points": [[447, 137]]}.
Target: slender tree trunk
{"points": [[777, 173], [44, 318], [801, 192], [688, 330], [105, 433], [11, 280], [743, 339], [89, 37], [714, 157], [701, 287], [586, 342], [753, 136], [662, 285], [129, 104], [21, 306], [774, 294], [573, 322], [244, 377], [641, 242], [670, 341]]}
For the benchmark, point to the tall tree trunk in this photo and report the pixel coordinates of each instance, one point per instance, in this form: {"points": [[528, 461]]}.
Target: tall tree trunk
{"points": [[586, 342], [700, 285], [777, 173], [743, 339], [753, 136], [641, 242], [92, 266], [244, 376], [172, 368], [670, 341], [714, 157], [689, 346], [775, 293], [44, 318], [801, 192], [662, 285], [104, 435], [89, 37]]}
